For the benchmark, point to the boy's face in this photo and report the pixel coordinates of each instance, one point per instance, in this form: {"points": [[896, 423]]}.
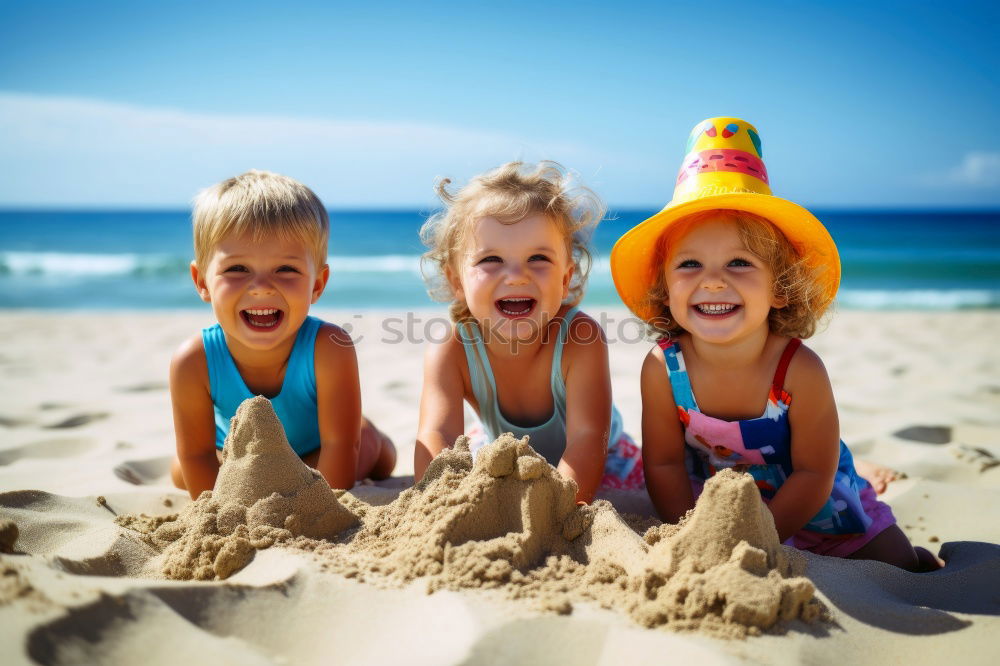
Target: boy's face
{"points": [[513, 277], [260, 291]]}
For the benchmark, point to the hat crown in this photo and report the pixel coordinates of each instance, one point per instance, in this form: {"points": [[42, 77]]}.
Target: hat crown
{"points": [[723, 156]]}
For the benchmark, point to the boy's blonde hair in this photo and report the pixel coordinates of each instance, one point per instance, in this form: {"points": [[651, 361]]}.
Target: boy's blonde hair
{"points": [[794, 281], [259, 203], [509, 193]]}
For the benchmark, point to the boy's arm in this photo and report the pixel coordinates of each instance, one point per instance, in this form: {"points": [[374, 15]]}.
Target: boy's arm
{"points": [[812, 418], [588, 406], [194, 417], [338, 406], [663, 442], [442, 417]]}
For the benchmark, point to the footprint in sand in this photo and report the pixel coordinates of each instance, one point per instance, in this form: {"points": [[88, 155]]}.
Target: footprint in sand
{"points": [[976, 456], [143, 472], [49, 448], [925, 434], [143, 387], [398, 390], [78, 420]]}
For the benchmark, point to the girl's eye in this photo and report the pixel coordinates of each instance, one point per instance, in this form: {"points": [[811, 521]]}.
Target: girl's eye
{"points": [[740, 262], [491, 259], [237, 268], [538, 257], [689, 263]]}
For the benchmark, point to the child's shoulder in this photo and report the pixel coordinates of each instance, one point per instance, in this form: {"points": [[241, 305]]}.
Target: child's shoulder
{"points": [[584, 330], [804, 368], [333, 344], [446, 346], [585, 340], [189, 362], [331, 334], [656, 352]]}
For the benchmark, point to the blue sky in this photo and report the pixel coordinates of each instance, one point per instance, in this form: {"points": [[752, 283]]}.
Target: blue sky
{"points": [[858, 103]]}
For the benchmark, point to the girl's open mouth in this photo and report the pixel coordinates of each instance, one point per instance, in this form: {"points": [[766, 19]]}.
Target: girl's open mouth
{"points": [[262, 319], [514, 308], [716, 310]]}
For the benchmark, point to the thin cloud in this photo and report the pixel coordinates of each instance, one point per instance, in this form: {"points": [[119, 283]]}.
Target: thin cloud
{"points": [[978, 169], [69, 150]]}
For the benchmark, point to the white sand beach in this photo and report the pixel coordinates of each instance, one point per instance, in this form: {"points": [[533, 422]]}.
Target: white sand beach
{"points": [[86, 437]]}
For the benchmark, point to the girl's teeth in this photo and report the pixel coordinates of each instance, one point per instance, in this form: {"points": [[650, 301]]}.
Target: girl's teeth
{"points": [[511, 301], [262, 312], [713, 308]]}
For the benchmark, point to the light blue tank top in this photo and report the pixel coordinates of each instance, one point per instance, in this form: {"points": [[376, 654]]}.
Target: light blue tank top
{"points": [[295, 405], [549, 438]]}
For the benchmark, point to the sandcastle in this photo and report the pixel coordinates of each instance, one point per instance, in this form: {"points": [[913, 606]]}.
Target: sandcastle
{"points": [[507, 522], [264, 494]]}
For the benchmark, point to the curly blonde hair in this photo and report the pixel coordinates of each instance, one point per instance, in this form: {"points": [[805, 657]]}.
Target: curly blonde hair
{"points": [[795, 282], [508, 193]]}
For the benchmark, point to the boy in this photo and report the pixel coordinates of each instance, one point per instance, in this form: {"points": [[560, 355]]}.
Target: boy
{"points": [[260, 243]]}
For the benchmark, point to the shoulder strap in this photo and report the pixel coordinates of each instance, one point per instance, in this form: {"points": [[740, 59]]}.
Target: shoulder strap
{"points": [[480, 374], [301, 362], [786, 358], [563, 336], [557, 382], [224, 379], [680, 384]]}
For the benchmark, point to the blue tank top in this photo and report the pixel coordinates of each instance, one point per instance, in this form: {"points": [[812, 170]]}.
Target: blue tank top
{"points": [[549, 438], [295, 405], [763, 445]]}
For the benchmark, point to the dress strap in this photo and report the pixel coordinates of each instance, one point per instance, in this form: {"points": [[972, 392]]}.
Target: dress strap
{"points": [[480, 372], [786, 358], [556, 379], [680, 383]]}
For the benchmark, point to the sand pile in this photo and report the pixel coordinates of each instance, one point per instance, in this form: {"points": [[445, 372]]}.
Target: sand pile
{"points": [[468, 526], [507, 523], [264, 494], [723, 566]]}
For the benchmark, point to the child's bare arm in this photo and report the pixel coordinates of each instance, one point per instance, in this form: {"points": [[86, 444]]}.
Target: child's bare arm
{"points": [[338, 406], [588, 406], [441, 412], [194, 417], [663, 442], [815, 430]]}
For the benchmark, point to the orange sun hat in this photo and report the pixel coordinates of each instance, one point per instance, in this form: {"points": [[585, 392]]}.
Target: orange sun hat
{"points": [[722, 170]]}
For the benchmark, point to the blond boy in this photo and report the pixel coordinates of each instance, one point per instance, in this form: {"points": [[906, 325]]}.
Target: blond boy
{"points": [[260, 244]]}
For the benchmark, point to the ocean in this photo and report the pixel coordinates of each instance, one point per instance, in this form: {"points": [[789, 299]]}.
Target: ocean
{"points": [[86, 260]]}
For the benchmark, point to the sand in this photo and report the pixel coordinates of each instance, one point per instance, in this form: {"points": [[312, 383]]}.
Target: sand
{"points": [[264, 494], [508, 522], [478, 564]]}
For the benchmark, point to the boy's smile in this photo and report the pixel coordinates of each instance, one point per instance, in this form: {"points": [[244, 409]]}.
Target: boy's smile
{"points": [[260, 290], [262, 319]]}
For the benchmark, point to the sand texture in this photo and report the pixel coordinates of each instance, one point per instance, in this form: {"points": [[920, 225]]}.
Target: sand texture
{"points": [[102, 561]]}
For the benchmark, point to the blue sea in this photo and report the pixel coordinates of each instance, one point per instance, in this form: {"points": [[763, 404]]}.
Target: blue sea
{"points": [[940, 260]]}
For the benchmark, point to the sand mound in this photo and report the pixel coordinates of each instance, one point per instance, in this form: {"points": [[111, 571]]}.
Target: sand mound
{"points": [[465, 526], [724, 566], [508, 523], [264, 494]]}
